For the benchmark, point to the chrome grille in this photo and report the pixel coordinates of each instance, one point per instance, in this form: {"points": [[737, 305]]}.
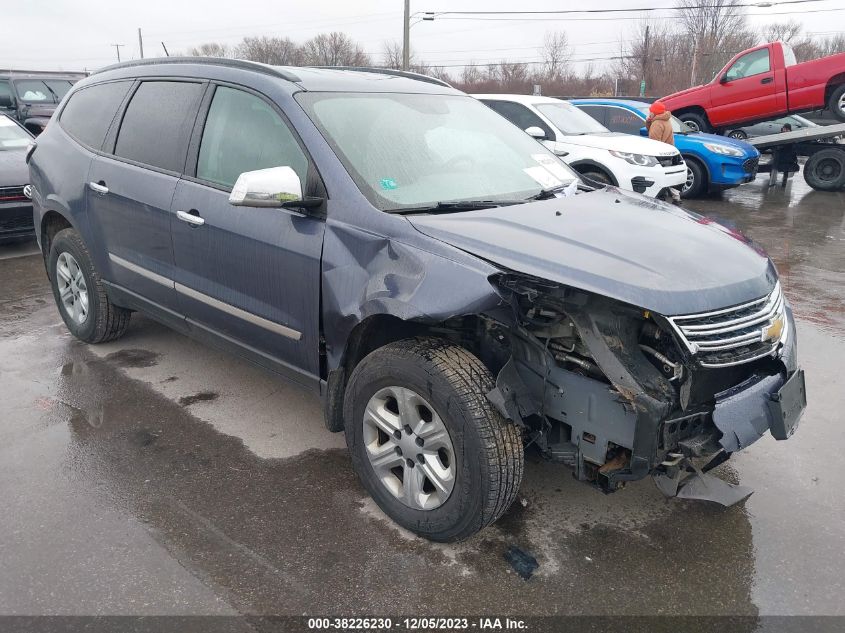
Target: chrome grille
{"points": [[12, 194], [736, 335]]}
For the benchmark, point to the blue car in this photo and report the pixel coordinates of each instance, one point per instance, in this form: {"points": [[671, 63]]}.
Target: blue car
{"points": [[713, 162]]}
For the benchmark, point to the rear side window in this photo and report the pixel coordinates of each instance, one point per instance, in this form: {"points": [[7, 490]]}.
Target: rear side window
{"points": [[597, 112], [243, 133], [622, 120], [520, 116], [157, 124], [90, 111]]}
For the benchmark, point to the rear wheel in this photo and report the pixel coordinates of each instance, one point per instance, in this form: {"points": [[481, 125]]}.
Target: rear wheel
{"points": [[696, 183], [836, 103], [79, 292], [425, 441], [696, 121], [825, 170]]}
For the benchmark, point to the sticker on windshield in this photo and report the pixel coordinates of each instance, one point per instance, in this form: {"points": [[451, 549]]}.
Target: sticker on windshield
{"points": [[553, 165], [388, 184], [543, 177]]}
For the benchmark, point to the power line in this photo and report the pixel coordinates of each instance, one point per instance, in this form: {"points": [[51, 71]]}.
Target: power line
{"points": [[755, 5], [618, 19]]}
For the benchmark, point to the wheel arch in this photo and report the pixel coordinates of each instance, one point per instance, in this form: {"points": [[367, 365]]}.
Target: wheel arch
{"points": [[832, 85], [701, 163], [52, 222], [594, 165]]}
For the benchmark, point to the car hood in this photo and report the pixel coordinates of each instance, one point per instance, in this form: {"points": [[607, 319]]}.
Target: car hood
{"points": [[616, 244], [698, 139], [620, 142], [13, 169]]}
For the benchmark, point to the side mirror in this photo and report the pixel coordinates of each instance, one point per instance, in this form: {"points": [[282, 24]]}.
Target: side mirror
{"points": [[724, 79], [644, 131], [6, 101], [536, 132], [273, 187]]}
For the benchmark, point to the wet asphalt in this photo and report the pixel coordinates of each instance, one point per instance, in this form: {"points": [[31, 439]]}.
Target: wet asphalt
{"points": [[154, 475]]}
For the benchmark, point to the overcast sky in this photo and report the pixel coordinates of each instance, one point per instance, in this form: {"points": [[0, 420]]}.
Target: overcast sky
{"points": [[77, 34]]}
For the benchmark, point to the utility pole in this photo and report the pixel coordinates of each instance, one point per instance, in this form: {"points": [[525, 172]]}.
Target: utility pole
{"points": [[645, 61], [117, 48], [694, 63], [406, 37], [140, 43]]}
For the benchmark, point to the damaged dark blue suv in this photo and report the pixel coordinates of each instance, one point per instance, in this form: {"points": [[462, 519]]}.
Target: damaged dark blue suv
{"points": [[447, 285]]}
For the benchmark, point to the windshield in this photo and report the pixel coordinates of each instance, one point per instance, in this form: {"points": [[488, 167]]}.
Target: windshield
{"points": [[408, 151], [569, 119], [42, 90], [678, 126], [11, 135]]}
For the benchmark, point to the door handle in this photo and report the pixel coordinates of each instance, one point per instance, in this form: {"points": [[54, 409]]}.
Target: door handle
{"points": [[767, 80], [192, 217], [99, 187]]}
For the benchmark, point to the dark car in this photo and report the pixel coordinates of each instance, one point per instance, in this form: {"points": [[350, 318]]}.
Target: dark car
{"points": [[31, 97], [15, 203], [445, 283]]}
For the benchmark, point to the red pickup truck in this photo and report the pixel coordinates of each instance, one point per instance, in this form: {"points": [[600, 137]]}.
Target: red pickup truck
{"points": [[763, 83]]}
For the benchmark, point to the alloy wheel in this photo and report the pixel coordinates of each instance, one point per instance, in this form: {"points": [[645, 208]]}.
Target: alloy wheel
{"points": [[73, 290], [409, 448], [690, 182]]}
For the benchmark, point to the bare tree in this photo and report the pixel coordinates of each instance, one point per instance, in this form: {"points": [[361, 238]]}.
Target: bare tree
{"points": [[392, 55], [210, 49], [788, 31], [718, 29], [334, 49], [279, 51], [556, 55]]}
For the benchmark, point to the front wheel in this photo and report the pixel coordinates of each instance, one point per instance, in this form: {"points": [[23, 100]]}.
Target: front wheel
{"points": [[825, 170], [696, 182], [738, 135], [836, 103], [79, 292], [425, 441], [696, 122]]}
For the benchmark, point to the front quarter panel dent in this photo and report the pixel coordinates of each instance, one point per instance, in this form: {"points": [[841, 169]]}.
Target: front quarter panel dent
{"points": [[366, 274]]}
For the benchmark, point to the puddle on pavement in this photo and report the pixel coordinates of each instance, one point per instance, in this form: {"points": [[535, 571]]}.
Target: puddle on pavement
{"points": [[261, 531], [203, 396], [133, 358]]}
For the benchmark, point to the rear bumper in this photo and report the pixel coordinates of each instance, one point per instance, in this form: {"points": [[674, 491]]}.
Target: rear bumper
{"points": [[16, 221]]}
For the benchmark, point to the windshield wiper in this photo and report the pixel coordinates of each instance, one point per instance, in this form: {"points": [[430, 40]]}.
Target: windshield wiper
{"points": [[549, 192], [459, 205]]}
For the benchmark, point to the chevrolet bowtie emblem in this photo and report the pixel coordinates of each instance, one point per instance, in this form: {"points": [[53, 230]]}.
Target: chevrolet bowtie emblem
{"points": [[774, 330]]}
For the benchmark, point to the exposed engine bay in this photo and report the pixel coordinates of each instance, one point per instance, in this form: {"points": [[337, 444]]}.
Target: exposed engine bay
{"points": [[617, 392]]}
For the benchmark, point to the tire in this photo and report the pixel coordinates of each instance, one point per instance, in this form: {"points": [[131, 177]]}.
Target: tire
{"points": [[696, 180], [697, 120], [738, 135], [444, 387], [102, 320], [825, 170], [596, 176], [836, 103]]}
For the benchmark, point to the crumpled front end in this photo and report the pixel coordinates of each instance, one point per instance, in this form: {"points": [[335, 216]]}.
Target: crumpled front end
{"points": [[619, 393]]}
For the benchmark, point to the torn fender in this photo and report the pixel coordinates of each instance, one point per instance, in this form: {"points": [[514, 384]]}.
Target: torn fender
{"points": [[366, 274]]}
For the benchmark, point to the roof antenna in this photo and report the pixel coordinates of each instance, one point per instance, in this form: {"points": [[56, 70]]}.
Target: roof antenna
{"points": [[165, 50]]}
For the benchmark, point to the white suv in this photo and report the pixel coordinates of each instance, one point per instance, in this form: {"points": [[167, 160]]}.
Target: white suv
{"points": [[630, 162]]}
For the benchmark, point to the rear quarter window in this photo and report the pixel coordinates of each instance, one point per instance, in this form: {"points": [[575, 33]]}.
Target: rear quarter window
{"points": [[157, 124], [89, 112]]}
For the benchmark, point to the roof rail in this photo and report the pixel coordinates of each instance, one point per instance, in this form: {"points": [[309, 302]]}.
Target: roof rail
{"points": [[42, 73], [243, 64], [389, 71]]}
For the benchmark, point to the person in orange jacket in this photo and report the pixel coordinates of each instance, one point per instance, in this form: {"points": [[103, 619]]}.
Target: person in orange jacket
{"points": [[659, 126]]}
